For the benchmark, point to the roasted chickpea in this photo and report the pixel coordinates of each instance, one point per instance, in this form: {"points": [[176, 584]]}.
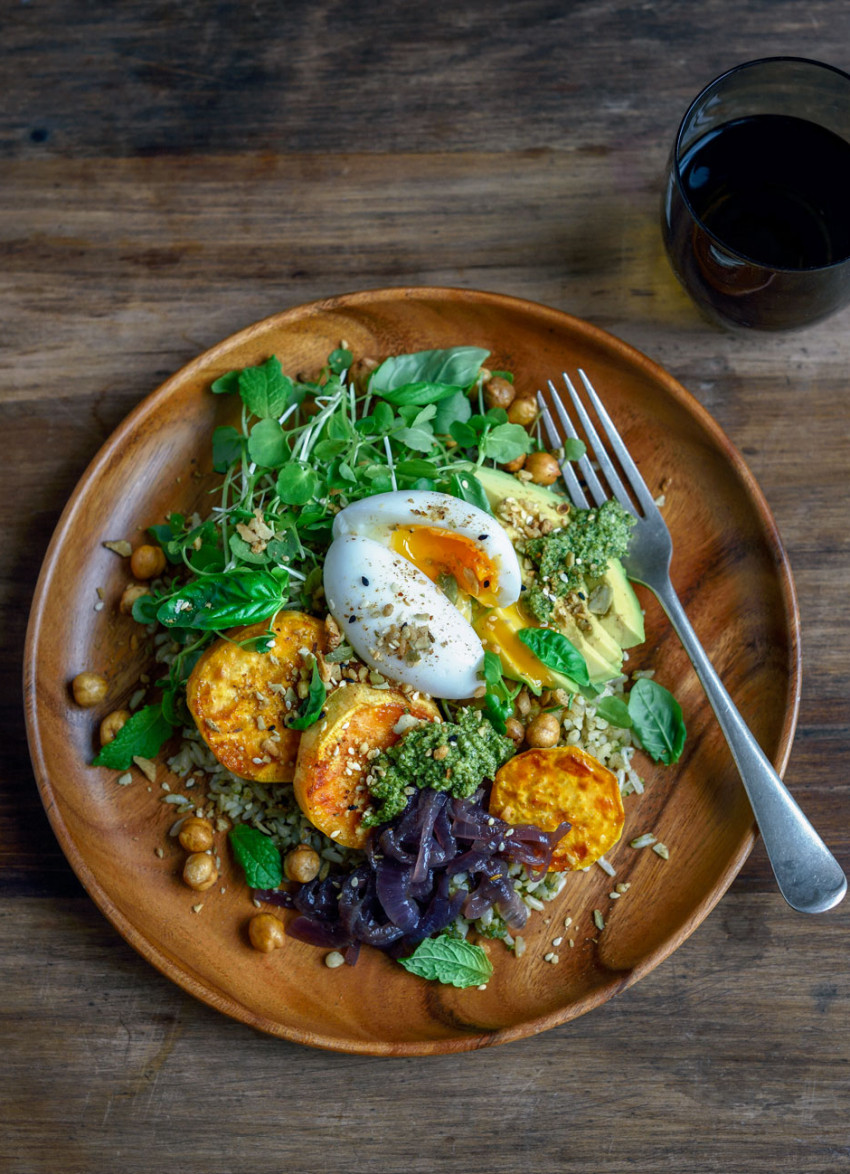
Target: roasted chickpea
{"points": [[266, 932], [88, 689], [130, 594], [523, 411], [543, 467], [515, 730], [146, 562], [196, 834], [515, 465], [544, 730], [112, 723], [200, 872], [499, 393], [302, 864]]}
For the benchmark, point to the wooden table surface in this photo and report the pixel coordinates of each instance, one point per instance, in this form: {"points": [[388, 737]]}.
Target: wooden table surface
{"points": [[173, 173]]}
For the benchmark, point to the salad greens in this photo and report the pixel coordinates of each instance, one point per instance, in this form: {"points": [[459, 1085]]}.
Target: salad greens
{"points": [[451, 961]]}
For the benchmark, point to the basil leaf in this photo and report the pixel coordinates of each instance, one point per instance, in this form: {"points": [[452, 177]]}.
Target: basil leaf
{"points": [[556, 652], [468, 488], [313, 703], [265, 390], [268, 444], [227, 445], [142, 735], [505, 443], [427, 376], [615, 711], [258, 856], [297, 483], [657, 720], [454, 409], [451, 961], [222, 601]]}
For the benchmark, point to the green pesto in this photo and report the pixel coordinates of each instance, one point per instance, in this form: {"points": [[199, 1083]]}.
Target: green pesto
{"points": [[474, 753], [568, 558]]}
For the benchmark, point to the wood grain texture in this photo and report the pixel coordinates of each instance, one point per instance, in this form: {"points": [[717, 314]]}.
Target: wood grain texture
{"points": [[169, 178]]}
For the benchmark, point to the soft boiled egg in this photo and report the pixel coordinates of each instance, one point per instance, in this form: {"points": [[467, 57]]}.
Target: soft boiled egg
{"points": [[380, 579]]}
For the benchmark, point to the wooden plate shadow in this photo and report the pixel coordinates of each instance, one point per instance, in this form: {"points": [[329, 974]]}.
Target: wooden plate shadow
{"points": [[729, 567]]}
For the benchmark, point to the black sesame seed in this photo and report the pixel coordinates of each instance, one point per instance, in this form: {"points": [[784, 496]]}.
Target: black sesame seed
{"points": [[364, 580], [352, 619], [486, 583], [581, 595], [483, 537]]}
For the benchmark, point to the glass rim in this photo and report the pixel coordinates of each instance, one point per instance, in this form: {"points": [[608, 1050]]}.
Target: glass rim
{"points": [[721, 77]]}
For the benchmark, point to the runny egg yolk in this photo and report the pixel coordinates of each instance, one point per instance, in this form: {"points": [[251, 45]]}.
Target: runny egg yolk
{"points": [[499, 630], [439, 552]]}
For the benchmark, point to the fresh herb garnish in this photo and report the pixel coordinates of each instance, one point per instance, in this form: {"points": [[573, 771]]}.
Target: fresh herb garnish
{"points": [[615, 711], [258, 856], [142, 736], [215, 602], [499, 698], [451, 961], [311, 711], [558, 653], [657, 720]]}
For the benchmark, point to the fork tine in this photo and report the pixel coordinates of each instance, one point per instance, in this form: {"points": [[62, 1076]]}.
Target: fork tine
{"points": [[599, 450], [636, 481], [577, 495], [597, 492]]}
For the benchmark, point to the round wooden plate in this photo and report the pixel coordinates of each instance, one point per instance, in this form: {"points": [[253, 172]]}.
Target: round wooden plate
{"points": [[729, 568]]}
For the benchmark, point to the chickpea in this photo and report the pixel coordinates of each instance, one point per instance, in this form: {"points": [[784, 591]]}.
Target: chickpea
{"points": [[515, 465], [302, 864], [515, 730], [112, 723], [266, 932], [523, 411], [200, 872], [544, 730], [499, 393], [196, 834], [130, 594], [89, 689], [543, 467], [146, 562]]}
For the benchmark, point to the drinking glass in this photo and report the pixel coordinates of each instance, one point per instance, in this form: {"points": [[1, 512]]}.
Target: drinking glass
{"points": [[756, 208]]}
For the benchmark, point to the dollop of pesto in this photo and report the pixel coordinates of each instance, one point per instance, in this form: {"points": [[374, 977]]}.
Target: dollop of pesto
{"points": [[447, 756], [566, 560]]}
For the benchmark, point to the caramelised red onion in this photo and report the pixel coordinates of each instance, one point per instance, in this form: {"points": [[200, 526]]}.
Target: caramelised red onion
{"points": [[400, 894]]}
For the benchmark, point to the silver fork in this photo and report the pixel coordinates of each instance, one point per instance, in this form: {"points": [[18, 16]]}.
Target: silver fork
{"points": [[809, 877]]}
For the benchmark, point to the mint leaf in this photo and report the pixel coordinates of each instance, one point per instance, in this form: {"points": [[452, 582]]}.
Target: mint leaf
{"points": [[265, 390], [557, 652], [451, 961], [258, 856], [142, 735], [657, 720]]}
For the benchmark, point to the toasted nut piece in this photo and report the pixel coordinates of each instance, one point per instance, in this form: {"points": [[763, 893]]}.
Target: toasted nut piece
{"points": [[146, 562], [88, 689], [543, 467], [266, 932], [112, 723], [196, 834], [200, 872], [499, 393], [129, 595], [544, 730], [523, 411], [302, 864]]}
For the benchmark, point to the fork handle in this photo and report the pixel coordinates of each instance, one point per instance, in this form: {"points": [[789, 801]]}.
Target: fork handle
{"points": [[809, 877]]}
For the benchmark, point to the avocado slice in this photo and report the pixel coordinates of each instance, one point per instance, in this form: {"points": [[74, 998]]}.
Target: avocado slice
{"points": [[623, 619], [541, 502]]}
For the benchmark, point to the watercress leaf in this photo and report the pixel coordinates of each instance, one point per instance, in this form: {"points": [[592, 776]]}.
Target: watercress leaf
{"points": [[505, 443], [574, 449], [346, 472], [142, 735], [497, 416], [419, 437], [226, 384], [453, 409], [556, 652], [478, 423], [451, 961], [268, 444], [265, 390], [327, 449], [220, 601], [227, 446], [145, 608], [416, 468], [257, 854], [339, 360], [507, 375], [453, 366], [240, 550], [467, 487], [162, 533], [615, 711], [311, 710], [657, 720], [465, 436], [415, 414], [297, 483], [383, 416], [284, 548]]}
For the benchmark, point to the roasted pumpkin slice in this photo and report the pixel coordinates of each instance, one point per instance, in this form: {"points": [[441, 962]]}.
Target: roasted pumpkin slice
{"points": [[237, 696], [335, 756], [547, 786]]}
